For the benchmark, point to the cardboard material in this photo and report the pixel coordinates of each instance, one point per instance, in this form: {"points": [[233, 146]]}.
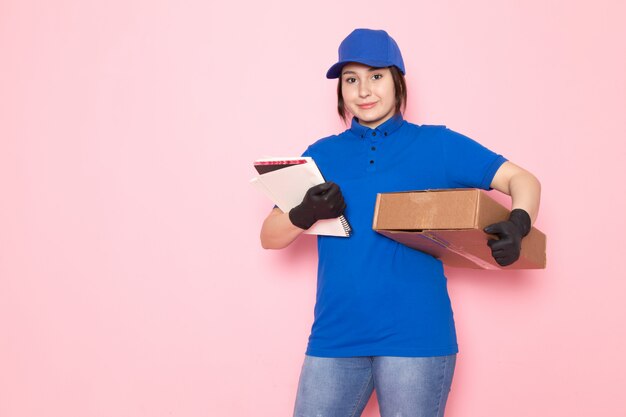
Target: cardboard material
{"points": [[448, 224]]}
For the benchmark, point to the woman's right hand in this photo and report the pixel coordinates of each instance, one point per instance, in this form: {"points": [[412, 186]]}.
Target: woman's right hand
{"points": [[323, 201]]}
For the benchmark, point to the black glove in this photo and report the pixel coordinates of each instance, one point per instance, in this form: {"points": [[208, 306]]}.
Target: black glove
{"points": [[323, 201], [506, 250]]}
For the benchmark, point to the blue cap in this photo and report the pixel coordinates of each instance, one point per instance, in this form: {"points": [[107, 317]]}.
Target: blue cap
{"points": [[370, 47]]}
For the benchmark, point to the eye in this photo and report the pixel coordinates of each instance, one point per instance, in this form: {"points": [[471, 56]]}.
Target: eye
{"points": [[350, 80], [377, 75]]}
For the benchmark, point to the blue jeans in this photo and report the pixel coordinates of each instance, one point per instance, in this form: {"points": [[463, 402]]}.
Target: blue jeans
{"points": [[405, 386]]}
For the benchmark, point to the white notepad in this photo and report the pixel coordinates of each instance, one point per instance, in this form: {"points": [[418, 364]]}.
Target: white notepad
{"points": [[286, 180]]}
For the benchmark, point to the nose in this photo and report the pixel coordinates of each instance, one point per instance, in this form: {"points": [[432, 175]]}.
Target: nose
{"points": [[364, 89]]}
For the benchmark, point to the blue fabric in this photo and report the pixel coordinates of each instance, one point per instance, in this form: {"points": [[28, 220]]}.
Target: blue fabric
{"points": [[370, 47], [377, 297], [340, 387]]}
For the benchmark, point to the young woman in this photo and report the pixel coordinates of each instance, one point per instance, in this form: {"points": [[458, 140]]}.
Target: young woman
{"points": [[383, 318]]}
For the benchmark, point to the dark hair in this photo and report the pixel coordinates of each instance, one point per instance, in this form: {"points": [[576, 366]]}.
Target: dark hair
{"points": [[400, 89]]}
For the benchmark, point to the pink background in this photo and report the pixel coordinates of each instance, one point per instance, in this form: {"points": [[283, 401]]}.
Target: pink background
{"points": [[132, 280]]}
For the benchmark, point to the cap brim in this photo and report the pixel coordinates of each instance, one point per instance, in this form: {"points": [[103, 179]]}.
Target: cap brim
{"points": [[335, 70]]}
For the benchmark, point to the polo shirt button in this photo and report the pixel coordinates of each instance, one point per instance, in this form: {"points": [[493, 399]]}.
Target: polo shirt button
{"points": [[361, 136], [373, 148], [385, 133], [373, 133], [372, 161]]}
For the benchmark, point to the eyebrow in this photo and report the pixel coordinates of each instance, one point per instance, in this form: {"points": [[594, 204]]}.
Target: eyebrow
{"points": [[352, 72]]}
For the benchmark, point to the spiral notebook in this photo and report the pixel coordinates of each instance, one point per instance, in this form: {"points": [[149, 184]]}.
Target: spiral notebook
{"points": [[286, 180]]}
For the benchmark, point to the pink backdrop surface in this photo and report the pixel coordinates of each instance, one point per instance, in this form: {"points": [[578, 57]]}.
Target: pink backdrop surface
{"points": [[132, 280]]}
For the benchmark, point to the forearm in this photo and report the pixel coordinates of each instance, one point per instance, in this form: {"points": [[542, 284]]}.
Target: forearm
{"points": [[525, 191], [278, 232]]}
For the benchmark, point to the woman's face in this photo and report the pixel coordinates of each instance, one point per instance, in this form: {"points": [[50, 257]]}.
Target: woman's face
{"points": [[368, 93]]}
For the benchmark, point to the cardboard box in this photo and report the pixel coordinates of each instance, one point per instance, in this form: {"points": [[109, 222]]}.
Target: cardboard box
{"points": [[448, 224]]}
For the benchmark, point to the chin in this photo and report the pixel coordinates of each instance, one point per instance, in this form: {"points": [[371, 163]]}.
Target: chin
{"points": [[370, 118], [366, 117]]}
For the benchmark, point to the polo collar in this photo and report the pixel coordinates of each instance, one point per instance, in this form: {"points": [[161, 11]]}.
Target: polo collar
{"points": [[385, 129]]}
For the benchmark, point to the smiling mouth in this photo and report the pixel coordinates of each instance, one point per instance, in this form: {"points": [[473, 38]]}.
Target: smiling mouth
{"points": [[367, 105]]}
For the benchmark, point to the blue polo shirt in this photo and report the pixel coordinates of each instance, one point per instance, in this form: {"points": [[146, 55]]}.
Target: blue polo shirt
{"points": [[375, 296]]}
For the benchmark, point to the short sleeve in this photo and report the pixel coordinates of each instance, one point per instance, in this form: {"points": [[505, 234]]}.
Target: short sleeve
{"points": [[467, 162]]}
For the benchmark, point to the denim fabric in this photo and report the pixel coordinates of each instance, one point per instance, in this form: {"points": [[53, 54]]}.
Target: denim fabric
{"points": [[405, 386]]}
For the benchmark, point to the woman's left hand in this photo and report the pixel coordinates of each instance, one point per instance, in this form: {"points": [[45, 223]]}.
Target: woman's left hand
{"points": [[507, 248]]}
